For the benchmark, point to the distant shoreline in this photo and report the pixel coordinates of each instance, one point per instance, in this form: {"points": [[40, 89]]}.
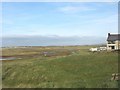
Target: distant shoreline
{"points": [[51, 46]]}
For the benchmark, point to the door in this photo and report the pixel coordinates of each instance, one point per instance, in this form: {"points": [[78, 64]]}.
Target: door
{"points": [[112, 47]]}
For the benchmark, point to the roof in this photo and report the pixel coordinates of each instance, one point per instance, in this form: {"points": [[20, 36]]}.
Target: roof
{"points": [[113, 37]]}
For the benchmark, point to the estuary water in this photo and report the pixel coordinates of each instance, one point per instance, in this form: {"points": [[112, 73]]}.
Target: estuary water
{"points": [[7, 58]]}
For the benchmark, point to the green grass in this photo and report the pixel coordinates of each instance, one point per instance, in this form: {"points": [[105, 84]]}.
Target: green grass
{"points": [[81, 69]]}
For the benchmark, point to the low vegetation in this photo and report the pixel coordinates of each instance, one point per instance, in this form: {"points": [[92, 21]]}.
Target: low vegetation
{"points": [[66, 67]]}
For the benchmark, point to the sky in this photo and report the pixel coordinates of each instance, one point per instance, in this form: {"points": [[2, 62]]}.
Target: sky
{"points": [[59, 18]]}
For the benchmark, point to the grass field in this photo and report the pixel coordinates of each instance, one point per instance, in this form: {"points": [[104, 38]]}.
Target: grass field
{"points": [[66, 67]]}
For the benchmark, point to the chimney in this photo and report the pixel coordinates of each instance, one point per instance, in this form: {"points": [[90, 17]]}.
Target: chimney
{"points": [[108, 34]]}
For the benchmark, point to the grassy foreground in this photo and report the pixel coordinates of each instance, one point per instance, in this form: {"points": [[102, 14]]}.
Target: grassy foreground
{"points": [[68, 67]]}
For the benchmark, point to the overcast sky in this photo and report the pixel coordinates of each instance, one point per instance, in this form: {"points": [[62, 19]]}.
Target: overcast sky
{"points": [[60, 18]]}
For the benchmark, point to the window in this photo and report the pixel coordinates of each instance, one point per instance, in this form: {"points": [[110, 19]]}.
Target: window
{"points": [[111, 42]]}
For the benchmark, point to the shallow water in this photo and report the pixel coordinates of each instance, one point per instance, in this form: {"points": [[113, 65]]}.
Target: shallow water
{"points": [[7, 58]]}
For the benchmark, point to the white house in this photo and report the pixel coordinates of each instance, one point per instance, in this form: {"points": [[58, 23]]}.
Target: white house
{"points": [[113, 41]]}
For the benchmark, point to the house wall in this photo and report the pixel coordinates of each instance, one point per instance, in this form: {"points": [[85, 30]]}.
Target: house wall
{"points": [[116, 45]]}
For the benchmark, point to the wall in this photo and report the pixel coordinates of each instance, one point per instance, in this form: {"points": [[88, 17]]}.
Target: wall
{"points": [[116, 45]]}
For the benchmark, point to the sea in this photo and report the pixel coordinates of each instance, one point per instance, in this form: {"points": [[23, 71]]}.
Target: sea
{"points": [[50, 41]]}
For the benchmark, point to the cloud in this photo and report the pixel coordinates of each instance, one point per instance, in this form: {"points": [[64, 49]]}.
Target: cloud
{"points": [[8, 22], [74, 9], [113, 19]]}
